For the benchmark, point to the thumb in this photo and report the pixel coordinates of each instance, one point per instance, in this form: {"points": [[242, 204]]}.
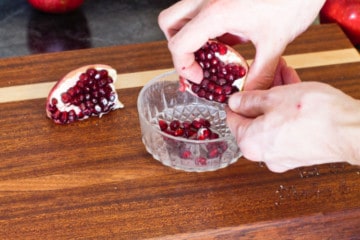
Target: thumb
{"points": [[250, 104]]}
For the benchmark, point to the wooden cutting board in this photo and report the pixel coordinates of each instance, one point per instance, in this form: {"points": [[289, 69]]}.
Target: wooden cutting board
{"points": [[94, 179]]}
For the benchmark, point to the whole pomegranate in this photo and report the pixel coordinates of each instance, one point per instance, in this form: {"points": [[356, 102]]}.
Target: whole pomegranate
{"points": [[346, 13], [56, 6], [224, 71], [82, 93]]}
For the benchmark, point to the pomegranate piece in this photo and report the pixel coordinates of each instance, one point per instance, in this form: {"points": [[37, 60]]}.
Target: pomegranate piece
{"points": [[84, 92], [224, 71]]}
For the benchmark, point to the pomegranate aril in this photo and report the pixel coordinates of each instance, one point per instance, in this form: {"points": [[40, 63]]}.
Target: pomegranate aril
{"points": [[213, 153], [72, 116], [65, 97], [175, 124], [64, 117], [102, 82], [228, 89], [204, 122], [209, 96], [221, 82], [163, 125], [103, 73], [190, 133], [103, 102], [201, 161], [185, 154], [218, 90], [214, 135], [196, 124], [72, 91], [109, 80], [195, 88], [179, 132], [91, 72], [211, 86], [83, 77], [205, 83], [186, 124], [204, 133], [56, 114], [201, 93], [221, 98]]}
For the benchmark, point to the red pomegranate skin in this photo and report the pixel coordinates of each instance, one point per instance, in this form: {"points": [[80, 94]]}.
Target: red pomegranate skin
{"points": [[346, 13], [56, 6]]}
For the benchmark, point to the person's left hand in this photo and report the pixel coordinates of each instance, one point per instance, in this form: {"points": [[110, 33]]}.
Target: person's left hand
{"points": [[295, 123]]}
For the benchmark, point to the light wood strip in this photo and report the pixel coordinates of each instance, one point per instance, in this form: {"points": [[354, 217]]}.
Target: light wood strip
{"points": [[137, 79]]}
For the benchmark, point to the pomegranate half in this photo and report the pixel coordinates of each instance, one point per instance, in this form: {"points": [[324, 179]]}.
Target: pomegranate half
{"points": [[224, 71], [83, 92]]}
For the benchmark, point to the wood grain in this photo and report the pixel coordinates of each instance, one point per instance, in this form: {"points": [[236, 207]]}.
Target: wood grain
{"points": [[138, 79], [95, 180]]}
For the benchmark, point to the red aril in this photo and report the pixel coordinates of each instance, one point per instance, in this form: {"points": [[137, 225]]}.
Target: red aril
{"points": [[198, 129], [56, 6], [84, 92], [224, 72]]}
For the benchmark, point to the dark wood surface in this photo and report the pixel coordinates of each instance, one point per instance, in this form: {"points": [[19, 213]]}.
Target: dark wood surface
{"points": [[94, 179]]}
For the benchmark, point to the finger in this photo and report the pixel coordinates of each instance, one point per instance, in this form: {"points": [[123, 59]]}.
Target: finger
{"points": [[285, 74], [289, 75], [250, 103], [262, 71], [277, 167], [278, 77], [191, 38], [172, 19], [237, 124], [187, 67]]}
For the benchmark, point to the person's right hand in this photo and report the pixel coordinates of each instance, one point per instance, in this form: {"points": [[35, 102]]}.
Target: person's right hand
{"points": [[269, 25]]}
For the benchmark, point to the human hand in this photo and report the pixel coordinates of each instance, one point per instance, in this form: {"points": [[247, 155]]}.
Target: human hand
{"points": [[297, 124], [269, 25]]}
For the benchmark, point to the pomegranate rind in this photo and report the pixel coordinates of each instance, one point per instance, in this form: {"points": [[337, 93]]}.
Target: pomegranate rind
{"points": [[70, 80], [230, 57]]}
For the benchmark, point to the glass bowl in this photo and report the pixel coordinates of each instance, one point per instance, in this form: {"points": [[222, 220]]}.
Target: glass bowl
{"points": [[160, 99]]}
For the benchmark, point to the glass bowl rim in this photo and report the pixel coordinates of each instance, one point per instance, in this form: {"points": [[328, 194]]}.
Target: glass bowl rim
{"points": [[157, 129]]}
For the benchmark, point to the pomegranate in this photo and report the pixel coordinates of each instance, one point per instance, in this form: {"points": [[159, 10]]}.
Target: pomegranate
{"points": [[198, 129], [56, 6], [84, 92], [224, 71], [346, 13]]}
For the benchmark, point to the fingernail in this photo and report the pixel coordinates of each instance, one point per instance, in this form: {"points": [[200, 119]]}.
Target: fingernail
{"points": [[234, 101]]}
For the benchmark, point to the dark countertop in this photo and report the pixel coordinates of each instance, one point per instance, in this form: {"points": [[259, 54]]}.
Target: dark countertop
{"points": [[97, 23]]}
